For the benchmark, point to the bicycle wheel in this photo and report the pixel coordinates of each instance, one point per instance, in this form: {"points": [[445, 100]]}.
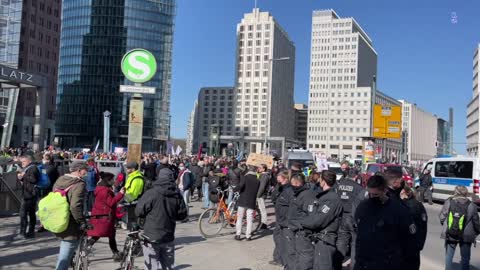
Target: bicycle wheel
{"points": [[210, 223], [127, 253], [84, 255]]}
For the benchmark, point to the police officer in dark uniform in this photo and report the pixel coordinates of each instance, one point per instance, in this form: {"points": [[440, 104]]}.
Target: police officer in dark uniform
{"points": [[281, 199], [350, 194], [300, 248], [323, 220], [384, 230], [420, 217]]}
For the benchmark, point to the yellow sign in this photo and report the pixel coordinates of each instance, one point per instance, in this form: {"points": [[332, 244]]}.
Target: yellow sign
{"points": [[259, 159], [387, 121]]}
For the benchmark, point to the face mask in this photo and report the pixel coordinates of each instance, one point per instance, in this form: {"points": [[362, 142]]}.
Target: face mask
{"points": [[345, 172], [45, 162], [296, 189], [181, 168], [376, 200]]}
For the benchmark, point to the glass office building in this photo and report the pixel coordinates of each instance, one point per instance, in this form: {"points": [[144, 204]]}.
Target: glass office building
{"points": [[95, 35]]}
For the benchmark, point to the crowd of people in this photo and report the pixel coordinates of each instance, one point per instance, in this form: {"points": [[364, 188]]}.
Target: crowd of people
{"points": [[321, 222]]}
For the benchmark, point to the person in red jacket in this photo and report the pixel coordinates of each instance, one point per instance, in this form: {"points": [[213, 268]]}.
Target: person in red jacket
{"points": [[104, 213]]}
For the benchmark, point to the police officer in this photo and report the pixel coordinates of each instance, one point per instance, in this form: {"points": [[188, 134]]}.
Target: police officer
{"points": [[419, 215], [395, 183], [350, 194], [281, 200], [323, 220], [425, 189], [300, 248], [384, 230]]}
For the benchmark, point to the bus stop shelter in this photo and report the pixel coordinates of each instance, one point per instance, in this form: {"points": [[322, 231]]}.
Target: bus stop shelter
{"points": [[13, 79]]}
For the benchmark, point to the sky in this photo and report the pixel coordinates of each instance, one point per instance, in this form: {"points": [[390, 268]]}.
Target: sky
{"points": [[425, 49]]}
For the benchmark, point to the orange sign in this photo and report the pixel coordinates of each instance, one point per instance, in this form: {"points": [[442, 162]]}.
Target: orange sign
{"points": [[387, 121]]}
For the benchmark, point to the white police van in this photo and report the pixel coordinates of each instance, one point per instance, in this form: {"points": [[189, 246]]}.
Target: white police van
{"points": [[447, 173]]}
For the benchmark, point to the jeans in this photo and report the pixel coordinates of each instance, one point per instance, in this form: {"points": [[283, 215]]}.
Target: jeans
{"points": [[27, 216], [67, 248], [263, 210], [230, 195], [240, 214], [465, 250], [159, 256], [186, 197], [206, 200]]}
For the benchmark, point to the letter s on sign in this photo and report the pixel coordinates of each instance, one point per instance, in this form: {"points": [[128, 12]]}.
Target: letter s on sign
{"points": [[137, 61]]}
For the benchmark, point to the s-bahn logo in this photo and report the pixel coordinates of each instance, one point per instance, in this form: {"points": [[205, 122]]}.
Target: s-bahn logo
{"points": [[139, 65]]}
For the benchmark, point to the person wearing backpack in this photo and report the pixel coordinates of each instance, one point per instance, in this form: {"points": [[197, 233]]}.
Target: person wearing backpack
{"points": [[28, 177], [161, 206], [74, 186], [133, 191], [461, 226]]}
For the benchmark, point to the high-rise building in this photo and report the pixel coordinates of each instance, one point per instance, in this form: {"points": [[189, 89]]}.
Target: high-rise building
{"points": [[420, 129], [95, 35], [473, 126], [215, 107], [191, 129], [30, 42], [264, 80], [301, 123], [443, 137], [342, 69]]}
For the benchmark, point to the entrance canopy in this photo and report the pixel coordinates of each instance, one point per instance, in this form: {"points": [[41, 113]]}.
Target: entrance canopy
{"points": [[11, 78]]}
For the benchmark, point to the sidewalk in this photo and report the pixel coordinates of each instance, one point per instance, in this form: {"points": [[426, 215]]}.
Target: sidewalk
{"points": [[192, 250]]}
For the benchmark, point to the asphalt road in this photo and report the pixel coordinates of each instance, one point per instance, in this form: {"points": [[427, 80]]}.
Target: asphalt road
{"points": [[192, 251]]}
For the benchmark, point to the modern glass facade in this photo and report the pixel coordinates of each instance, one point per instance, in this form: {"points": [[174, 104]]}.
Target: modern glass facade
{"points": [[95, 35]]}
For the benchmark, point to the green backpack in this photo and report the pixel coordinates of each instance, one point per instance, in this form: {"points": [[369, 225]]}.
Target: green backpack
{"points": [[54, 210]]}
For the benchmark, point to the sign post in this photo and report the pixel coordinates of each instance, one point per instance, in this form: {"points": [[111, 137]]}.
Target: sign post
{"points": [[138, 66]]}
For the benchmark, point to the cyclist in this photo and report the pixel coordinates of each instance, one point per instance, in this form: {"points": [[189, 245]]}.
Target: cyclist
{"points": [[133, 190], [161, 206]]}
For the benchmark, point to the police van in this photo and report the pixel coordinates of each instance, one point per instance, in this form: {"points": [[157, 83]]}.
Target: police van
{"points": [[447, 173]]}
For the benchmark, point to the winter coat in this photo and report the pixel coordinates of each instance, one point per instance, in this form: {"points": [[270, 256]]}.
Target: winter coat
{"points": [[52, 173], [159, 206], [197, 173], [103, 211], [30, 178], [426, 181], [263, 188], [281, 198], [472, 227], [75, 198], [134, 186], [248, 189], [186, 180]]}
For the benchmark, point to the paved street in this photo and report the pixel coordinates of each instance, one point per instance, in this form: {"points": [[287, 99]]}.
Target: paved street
{"points": [[192, 251]]}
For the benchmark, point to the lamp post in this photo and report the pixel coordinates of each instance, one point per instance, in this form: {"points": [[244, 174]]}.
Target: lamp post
{"points": [[270, 67]]}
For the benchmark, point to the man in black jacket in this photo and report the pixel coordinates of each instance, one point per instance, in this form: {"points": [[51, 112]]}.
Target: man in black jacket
{"points": [[323, 220], [384, 230], [160, 206], [425, 189], [28, 177], [300, 251], [281, 199], [248, 189], [350, 194], [197, 173], [419, 215]]}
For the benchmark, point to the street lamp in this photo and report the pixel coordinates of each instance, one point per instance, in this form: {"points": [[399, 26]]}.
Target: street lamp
{"points": [[270, 67]]}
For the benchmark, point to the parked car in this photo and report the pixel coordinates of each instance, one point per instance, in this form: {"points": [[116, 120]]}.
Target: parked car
{"points": [[373, 168]]}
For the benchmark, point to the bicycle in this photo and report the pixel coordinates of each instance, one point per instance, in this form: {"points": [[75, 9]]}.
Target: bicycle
{"points": [[80, 258], [224, 215], [132, 248]]}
